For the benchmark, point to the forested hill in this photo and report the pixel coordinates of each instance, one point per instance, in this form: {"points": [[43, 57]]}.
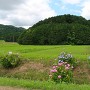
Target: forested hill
{"points": [[63, 19], [63, 29], [10, 33]]}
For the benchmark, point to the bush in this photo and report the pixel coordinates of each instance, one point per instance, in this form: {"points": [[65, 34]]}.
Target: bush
{"points": [[67, 57], [63, 71], [10, 60]]}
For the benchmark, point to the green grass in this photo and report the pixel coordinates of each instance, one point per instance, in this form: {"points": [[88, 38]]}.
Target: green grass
{"points": [[45, 52], [45, 85]]}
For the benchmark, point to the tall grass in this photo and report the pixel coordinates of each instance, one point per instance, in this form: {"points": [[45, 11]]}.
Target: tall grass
{"points": [[45, 85]]}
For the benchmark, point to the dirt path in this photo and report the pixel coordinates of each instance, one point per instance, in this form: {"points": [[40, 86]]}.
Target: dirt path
{"points": [[10, 88]]}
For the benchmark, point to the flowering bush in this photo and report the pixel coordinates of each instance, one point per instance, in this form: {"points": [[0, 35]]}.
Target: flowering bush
{"points": [[10, 60], [67, 57], [61, 72]]}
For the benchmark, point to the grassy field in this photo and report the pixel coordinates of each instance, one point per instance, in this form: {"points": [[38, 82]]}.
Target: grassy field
{"points": [[34, 74], [46, 52]]}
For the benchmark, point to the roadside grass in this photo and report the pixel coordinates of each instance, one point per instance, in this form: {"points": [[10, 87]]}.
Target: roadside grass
{"points": [[38, 85], [82, 73], [27, 70]]}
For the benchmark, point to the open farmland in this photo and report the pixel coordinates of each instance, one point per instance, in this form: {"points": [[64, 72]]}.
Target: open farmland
{"points": [[33, 74]]}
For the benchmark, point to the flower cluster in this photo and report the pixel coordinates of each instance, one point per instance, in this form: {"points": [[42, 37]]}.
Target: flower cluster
{"points": [[61, 72], [66, 57]]}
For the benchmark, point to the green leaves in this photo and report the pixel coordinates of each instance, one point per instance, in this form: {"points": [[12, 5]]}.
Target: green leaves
{"points": [[11, 60], [63, 71]]}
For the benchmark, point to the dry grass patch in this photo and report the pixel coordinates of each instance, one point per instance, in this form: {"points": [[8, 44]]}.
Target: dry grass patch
{"points": [[27, 70], [82, 73]]}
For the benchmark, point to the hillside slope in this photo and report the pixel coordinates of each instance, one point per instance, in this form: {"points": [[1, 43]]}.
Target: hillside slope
{"points": [[64, 29], [10, 33]]}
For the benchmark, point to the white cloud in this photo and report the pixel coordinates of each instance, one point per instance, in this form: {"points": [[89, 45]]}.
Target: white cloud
{"points": [[24, 12], [9, 4], [28, 12], [86, 10], [72, 1], [79, 7]]}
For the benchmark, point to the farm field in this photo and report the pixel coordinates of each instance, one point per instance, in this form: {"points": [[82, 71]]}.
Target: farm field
{"points": [[33, 73], [45, 52]]}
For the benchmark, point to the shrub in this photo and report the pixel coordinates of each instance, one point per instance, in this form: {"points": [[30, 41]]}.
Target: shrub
{"points": [[62, 72], [10, 60], [67, 57]]}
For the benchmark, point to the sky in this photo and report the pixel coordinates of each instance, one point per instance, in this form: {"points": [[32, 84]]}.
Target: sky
{"points": [[25, 13]]}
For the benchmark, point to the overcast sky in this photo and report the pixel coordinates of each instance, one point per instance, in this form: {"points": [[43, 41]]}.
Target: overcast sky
{"points": [[25, 13]]}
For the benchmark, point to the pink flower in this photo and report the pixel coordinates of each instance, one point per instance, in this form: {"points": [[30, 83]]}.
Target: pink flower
{"points": [[54, 67], [68, 65], [60, 64], [67, 68], [54, 70], [59, 76], [51, 70]]}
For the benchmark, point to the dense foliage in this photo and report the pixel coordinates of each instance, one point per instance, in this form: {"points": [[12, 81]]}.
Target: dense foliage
{"points": [[63, 70], [11, 60], [64, 29], [10, 33]]}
